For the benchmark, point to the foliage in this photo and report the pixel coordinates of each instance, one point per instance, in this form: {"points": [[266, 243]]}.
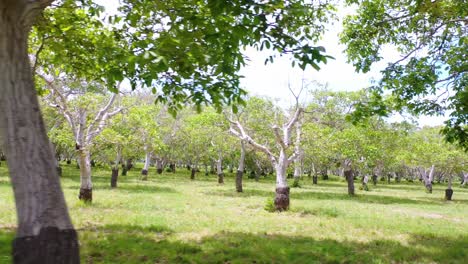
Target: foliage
{"points": [[431, 76]]}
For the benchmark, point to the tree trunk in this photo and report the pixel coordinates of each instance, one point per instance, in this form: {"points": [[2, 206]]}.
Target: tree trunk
{"points": [[298, 160], [124, 170], [350, 179], [465, 179], [144, 171], [374, 179], [219, 170], [114, 176], [240, 169], [172, 167], [315, 179], [193, 172], [365, 180], [324, 173], [45, 233], [86, 185], [159, 166], [282, 189]]}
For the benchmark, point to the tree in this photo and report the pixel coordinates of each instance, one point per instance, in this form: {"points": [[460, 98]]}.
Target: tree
{"points": [[431, 75], [282, 160], [87, 114], [216, 28], [45, 232]]}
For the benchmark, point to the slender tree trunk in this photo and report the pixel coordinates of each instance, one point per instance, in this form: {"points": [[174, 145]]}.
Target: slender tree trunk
{"points": [[365, 180], [114, 177], [86, 185], [449, 191], [144, 171], [45, 233], [282, 188], [115, 169], [159, 166], [465, 179], [241, 168], [350, 179], [219, 170], [298, 160], [193, 172], [348, 174]]}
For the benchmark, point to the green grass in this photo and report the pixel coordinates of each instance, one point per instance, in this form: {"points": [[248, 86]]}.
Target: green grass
{"points": [[171, 219]]}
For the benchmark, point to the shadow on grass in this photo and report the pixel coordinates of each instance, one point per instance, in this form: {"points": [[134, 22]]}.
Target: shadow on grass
{"points": [[130, 244], [130, 188], [305, 195]]}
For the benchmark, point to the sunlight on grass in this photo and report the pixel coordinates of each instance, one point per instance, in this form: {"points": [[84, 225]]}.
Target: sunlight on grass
{"points": [[171, 219]]}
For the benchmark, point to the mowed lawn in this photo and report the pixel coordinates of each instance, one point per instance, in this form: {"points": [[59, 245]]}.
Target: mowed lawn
{"points": [[171, 219]]}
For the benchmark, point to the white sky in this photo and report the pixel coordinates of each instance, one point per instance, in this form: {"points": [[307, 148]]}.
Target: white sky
{"points": [[272, 79]]}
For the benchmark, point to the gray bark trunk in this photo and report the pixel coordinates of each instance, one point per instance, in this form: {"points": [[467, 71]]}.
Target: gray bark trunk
{"points": [[45, 233], [219, 170], [240, 169]]}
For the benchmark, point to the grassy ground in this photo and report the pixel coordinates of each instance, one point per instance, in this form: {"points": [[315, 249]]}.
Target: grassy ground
{"points": [[170, 219]]}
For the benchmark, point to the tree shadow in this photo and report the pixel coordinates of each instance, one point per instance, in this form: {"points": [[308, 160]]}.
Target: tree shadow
{"points": [[130, 188], [130, 244], [307, 195]]}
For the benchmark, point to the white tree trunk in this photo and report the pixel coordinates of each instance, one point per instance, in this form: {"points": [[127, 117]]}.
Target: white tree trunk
{"points": [[280, 168], [241, 168], [44, 231], [86, 185], [219, 169], [144, 171], [465, 178]]}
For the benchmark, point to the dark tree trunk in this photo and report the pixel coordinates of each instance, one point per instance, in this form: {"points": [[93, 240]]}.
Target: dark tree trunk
{"points": [[221, 178], [193, 172], [172, 167], [350, 179], [47, 247], [448, 194], [239, 175], [144, 175], [124, 170], [282, 199], [114, 177], [86, 195], [40, 203], [314, 179], [324, 174], [374, 179], [129, 164]]}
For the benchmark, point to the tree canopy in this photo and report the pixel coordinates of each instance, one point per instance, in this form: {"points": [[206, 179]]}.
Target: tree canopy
{"points": [[431, 75]]}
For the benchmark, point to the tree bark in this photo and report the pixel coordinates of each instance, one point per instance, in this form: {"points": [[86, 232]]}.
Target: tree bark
{"points": [[114, 177], [86, 185], [465, 179], [144, 171], [219, 170], [350, 179], [193, 172], [282, 189], [45, 233], [240, 169], [159, 166]]}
